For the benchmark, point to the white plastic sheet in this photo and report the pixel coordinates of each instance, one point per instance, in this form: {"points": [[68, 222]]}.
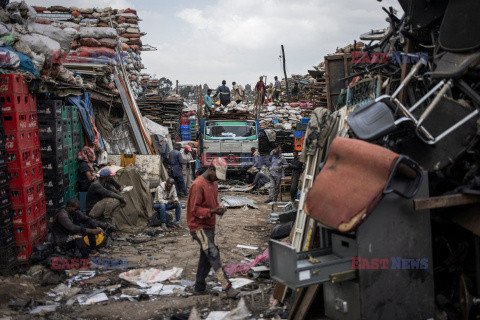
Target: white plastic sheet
{"points": [[147, 277]]}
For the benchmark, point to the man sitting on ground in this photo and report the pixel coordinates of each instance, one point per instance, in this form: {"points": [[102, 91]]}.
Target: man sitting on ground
{"points": [[166, 199], [70, 222], [103, 198]]}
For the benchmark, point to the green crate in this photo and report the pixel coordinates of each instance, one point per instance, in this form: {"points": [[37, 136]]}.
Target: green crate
{"points": [[76, 126], [67, 139], [69, 193], [66, 112], [70, 152], [66, 168], [71, 165], [74, 111], [72, 176], [69, 125]]}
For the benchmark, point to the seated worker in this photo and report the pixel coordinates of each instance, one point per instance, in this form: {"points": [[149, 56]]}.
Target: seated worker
{"points": [[261, 179], [166, 199], [70, 222], [103, 198]]}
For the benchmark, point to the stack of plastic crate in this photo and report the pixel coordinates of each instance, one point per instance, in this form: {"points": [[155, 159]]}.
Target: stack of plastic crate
{"points": [[193, 129], [8, 254], [24, 164], [77, 143], [69, 155], [50, 120]]}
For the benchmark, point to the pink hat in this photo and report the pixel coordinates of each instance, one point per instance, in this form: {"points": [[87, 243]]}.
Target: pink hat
{"points": [[188, 148]]}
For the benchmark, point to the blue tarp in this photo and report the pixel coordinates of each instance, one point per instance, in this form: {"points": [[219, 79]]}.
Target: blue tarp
{"points": [[86, 114], [25, 61]]}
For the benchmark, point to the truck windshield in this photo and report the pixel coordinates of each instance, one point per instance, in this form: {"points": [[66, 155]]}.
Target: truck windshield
{"points": [[230, 130]]}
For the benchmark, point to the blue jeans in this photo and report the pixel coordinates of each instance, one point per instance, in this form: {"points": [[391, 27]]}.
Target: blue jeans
{"points": [[180, 184], [82, 196], [162, 208]]}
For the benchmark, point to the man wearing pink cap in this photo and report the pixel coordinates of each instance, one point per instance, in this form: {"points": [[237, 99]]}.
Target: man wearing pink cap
{"points": [[186, 167]]}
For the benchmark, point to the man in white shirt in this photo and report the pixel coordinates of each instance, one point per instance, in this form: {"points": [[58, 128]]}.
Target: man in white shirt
{"points": [[166, 199]]}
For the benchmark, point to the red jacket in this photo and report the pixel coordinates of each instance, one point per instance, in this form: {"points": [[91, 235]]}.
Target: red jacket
{"points": [[202, 196], [259, 86]]}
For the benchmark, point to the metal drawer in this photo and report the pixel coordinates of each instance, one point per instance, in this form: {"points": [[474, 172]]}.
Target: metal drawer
{"points": [[302, 269]]}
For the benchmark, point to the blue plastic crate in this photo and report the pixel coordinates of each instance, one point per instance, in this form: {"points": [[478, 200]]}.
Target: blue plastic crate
{"points": [[184, 128], [305, 120], [186, 136], [298, 133]]}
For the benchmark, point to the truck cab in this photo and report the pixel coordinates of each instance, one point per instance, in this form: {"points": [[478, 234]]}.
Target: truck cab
{"points": [[229, 139]]}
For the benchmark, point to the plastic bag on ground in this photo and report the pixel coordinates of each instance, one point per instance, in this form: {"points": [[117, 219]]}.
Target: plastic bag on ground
{"points": [[146, 277]]}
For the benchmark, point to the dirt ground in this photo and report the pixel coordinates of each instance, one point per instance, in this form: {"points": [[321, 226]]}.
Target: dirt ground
{"points": [[174, 248]]}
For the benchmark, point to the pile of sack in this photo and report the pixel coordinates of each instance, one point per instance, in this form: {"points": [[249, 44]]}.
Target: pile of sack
{"points": [[284, 116], [40, 40]]}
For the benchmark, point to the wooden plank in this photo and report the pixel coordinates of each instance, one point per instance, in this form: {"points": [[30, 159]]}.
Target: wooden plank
{"points": [[297, 302], [450, 200], [307, 301]]}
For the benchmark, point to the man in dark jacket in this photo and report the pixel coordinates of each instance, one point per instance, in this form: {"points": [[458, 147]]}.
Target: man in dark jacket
{"points": [[103, 198], [175, 159], [70, 222], [224, 93], [297, 169]]}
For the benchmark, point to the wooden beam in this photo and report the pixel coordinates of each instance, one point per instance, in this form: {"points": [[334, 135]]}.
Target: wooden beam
{"points": [[450, 200]]}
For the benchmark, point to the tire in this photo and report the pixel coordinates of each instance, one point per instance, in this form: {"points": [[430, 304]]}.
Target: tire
{"points": [[282, 231]]}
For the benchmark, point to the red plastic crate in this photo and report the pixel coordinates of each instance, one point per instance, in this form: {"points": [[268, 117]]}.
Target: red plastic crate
{"points": [[24, 249], [17, 159], [42, 224], [16, 140], [23, 196], [36, 155], [40, 208], [26, 231], [23, 214], [32, 102], [13, 83], [39, 190], [32, 121], [19, 177], [13, 102], [17, 121]]}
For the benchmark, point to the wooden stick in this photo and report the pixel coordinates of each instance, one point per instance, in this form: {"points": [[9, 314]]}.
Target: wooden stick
{"points": [[451, 200]]}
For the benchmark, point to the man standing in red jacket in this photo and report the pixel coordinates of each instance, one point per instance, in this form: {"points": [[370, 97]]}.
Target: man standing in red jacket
{"points": [[202, 207]]}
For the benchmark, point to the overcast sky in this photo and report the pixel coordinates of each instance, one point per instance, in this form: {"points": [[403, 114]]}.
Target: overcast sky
{"points": [[206, 41]]}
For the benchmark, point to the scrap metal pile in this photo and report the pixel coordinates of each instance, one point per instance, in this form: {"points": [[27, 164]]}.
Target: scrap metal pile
{"points": [[424, 71], [311, 88]]}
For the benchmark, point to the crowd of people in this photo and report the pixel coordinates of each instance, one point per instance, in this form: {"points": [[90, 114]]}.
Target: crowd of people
{"points": [[81, 226], [263, 93]]}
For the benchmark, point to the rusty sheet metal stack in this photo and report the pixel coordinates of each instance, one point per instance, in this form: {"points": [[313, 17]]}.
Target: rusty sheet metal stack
{"points": [[164, 111]]}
